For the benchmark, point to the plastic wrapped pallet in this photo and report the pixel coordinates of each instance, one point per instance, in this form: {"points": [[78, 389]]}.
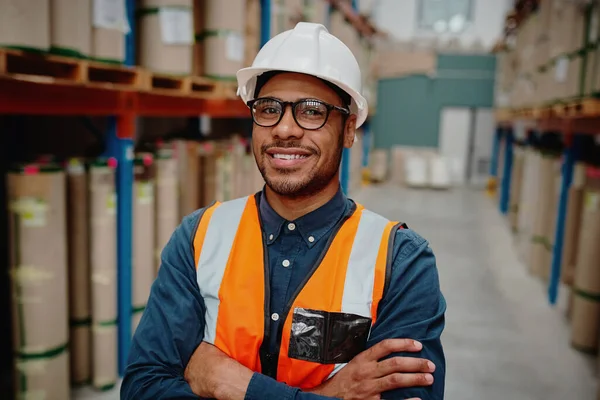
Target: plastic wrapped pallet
{"points": [[378, 165], [166, 36], [80, 309], [38, 260], [586, 307], [110, 26], [103, 265], [223, 38], [439, 172], [71, 27], [25, 24], [573, 225], [417, 170], [143, 234], [167, 206]]}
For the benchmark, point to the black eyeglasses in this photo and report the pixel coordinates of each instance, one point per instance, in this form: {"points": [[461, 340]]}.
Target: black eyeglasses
{"points": [[309, 114]]}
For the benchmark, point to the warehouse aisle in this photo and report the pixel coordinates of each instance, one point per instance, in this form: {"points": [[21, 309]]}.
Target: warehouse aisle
{"points": [[502, 340]]}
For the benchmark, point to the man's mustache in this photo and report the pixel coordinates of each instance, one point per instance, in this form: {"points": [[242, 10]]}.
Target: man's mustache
{"points": [[288, 144]]}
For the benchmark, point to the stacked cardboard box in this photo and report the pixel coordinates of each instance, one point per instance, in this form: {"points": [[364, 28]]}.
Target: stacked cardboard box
{"points": [[166, 36], [548, 59]]}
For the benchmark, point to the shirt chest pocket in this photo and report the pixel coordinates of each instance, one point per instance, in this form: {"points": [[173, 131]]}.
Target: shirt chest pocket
{"points": [[327, 337]]}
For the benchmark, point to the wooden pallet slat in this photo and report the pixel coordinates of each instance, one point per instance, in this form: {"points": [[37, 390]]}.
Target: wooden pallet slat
{"points": [[201, 86], [112, 74], [50, 68], [29, 65]]}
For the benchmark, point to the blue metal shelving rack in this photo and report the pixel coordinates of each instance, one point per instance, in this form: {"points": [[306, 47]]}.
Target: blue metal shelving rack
{"points": [[571, 155]]}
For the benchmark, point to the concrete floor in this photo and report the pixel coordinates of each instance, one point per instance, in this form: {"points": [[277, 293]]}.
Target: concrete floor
{"points": [[502, 340]]}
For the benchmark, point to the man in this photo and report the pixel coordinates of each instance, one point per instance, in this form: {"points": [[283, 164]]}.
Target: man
{"points": [[296, 292]]}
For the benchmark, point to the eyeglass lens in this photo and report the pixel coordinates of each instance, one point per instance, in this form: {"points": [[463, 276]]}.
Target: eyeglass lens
{"points": [[309, 114]]}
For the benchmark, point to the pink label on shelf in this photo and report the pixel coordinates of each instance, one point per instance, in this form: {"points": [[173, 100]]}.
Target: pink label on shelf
{"points": [[112, 162], [147, 159], [593, 172], [31, 170]]}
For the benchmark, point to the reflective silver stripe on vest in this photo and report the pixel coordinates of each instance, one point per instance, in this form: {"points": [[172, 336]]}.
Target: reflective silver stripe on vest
{"points": [[360, 275], [218, 241]]}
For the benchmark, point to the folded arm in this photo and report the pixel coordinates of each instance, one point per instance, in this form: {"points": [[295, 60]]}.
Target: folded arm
{"points": [[413, 307], [171, 327]]}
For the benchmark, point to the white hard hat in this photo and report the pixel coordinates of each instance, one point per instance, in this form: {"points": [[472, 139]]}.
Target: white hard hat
{"points": [[310, 49]]}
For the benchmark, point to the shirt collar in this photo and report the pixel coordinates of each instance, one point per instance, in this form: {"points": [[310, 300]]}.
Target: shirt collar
{"points": [[312, 226]]}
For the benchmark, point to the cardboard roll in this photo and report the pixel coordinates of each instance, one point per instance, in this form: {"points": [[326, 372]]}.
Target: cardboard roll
{"points": [[71, 27], [166, 39], [144, 265], [25, 24], [586, 288], [39, 282]]}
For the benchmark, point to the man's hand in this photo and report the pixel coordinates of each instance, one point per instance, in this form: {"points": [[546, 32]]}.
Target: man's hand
{"points": [[365, 377], [212, 374]]}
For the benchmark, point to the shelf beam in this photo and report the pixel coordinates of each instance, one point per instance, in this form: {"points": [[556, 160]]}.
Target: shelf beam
{"points": [[149, 104], [19, 96], [26, 97]]}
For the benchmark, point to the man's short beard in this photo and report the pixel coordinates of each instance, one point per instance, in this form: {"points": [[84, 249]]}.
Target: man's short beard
{"points": [[315, 181]]}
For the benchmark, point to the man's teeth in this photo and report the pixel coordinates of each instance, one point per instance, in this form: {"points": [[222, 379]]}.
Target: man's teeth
{"points": [[289, 156]]}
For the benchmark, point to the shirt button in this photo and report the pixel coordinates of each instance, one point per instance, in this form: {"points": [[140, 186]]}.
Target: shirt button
{"points": [[311, 239], [286, 263], [291, 226], [271, 237], [275, 317]]}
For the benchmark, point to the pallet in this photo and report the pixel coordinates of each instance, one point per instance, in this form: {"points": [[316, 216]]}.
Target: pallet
{"points": [[582, 107], [39, 67], [228, 90], [181, 85]]}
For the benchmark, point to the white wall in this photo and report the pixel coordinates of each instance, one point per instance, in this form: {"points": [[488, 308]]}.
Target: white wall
{"points": [[399, 18]]}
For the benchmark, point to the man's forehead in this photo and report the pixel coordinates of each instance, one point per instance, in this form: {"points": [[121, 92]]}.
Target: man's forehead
{"points": [[292, 86]]}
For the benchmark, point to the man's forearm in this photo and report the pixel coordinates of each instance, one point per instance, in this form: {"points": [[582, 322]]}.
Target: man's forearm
{"points": [[262, 387]]}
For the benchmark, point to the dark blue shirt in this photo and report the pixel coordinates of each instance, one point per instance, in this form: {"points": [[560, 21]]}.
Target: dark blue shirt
{"points": [[172, 326]]}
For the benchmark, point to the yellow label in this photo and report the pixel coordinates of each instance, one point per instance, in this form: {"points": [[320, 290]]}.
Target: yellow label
{"points": [[33, 211], [592, 201], [145, 192], [111, 203]]}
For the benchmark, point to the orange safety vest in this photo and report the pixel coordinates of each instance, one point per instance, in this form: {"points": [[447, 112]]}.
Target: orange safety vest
{"points": [[233, 278]]}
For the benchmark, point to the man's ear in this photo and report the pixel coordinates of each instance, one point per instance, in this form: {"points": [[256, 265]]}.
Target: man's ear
{"points": [[350, 131]]}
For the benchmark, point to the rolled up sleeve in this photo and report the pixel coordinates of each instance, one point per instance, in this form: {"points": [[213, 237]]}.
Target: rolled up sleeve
{"points": [[413, 307], [171, 327]]}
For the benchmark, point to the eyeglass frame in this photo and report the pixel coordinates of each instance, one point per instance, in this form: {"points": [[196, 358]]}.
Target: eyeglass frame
{"points": [[293, 105]]}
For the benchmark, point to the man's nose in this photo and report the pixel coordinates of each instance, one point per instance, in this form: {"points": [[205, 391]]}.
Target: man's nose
{"points": [[287, 127]]}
